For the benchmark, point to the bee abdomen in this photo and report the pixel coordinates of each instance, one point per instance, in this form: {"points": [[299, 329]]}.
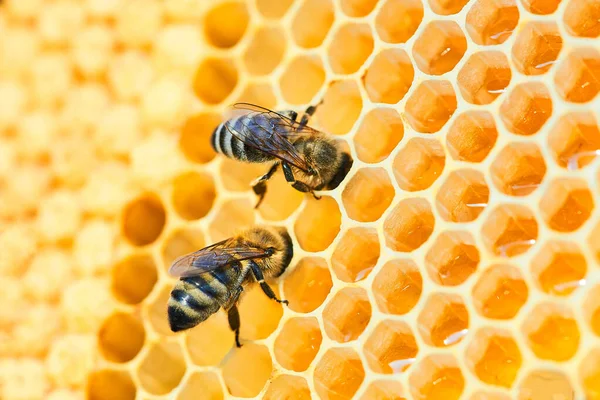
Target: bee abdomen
{"points": [[224, 142]]}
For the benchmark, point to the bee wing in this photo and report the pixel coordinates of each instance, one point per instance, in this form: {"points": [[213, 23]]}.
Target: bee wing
{"points": [[294, 126], [273, 139], [211, 258]]}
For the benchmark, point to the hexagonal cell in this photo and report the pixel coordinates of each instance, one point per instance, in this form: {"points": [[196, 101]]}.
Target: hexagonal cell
{"points": [[575, 139], [110, 384], [397, 286], [536, 47], [500, 292], [551, 332], [492, 22], [559, 267], [452, 258], [447, 7], [302, 91], [232, 216], [471, 136], [437, 376], [265, 50], [209, 342], [356, 254], [237, 176], [386, 125], [418, 164], [180, 242], [157, 311], [391, 347], [162, 368], [481, 395], [351, 45], [389, 76], [493, 355], [394, 30], [440, 47], [121, 337], [510, 230], [242, 381], [318, 223], [430, 106], [567, 204], [541, 384], [541, 7], [383, 390], [306, 287], [320, 13], [484, 77], [368, 194], [591, 309], [577, 78], [358, 8], [194, 139], [288, 387], [341, 107], [298, 343], [215, 79], [281, 200], [143, 219], [206, 383], [193, 195], [463, 196], [133, 278], [259, 325], [582, 18], [444, 321], [527, 108], [589, 372], [518, 169], [225, 24], [273, 9], [409, 225], [339, 374], [347, 314], [258, 93]]}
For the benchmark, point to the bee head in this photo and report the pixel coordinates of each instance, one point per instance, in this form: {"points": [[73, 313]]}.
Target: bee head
{"points": [[343, 169], [288, 251]]}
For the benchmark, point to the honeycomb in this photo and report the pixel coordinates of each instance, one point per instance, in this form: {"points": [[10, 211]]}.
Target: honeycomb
{"points": [[458, 259]]}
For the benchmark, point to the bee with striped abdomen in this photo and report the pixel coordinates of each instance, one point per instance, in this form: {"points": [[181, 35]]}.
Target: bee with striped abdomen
{"points": [[310, 160], [215, 276]]}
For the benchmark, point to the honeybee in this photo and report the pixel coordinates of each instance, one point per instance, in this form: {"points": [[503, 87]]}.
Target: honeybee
{"points": [[310, 160], [215, 276]]}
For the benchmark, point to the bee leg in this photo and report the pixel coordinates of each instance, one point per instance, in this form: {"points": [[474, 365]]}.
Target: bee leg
{"points": [[260, 185], [307, 114], [300, 186], [263, 285], [291, 114], [233, 316]]}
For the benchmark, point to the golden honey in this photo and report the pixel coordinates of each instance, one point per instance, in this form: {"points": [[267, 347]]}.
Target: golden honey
{"points": [[458, 259]]}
